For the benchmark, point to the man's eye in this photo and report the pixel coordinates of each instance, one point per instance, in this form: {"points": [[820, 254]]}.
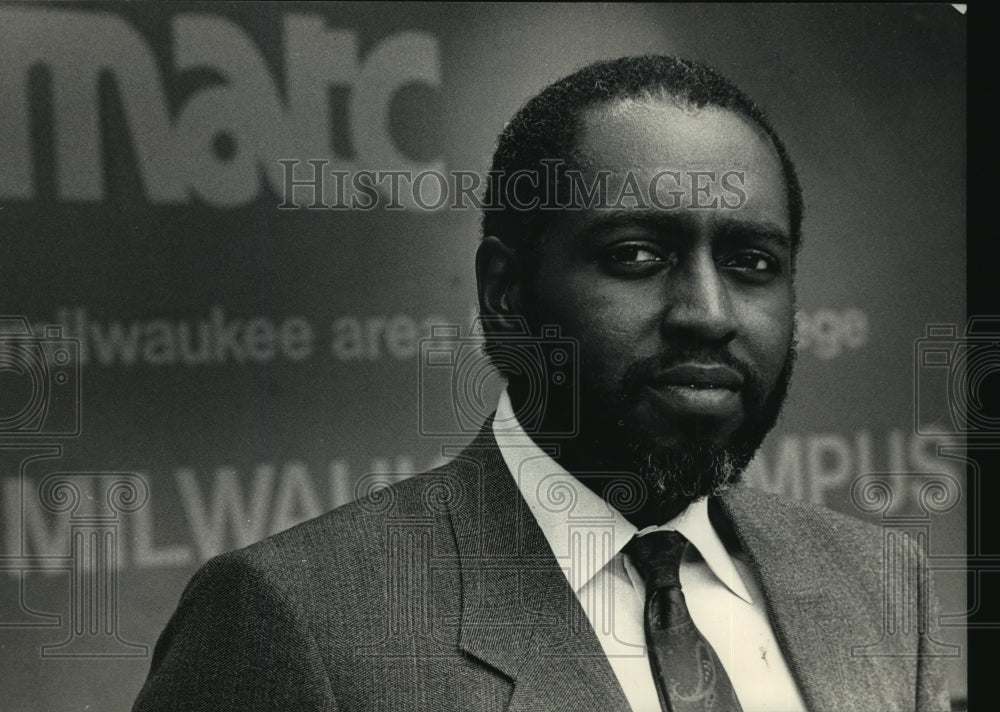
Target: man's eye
{"points": [[753, 264], [633, 254]]}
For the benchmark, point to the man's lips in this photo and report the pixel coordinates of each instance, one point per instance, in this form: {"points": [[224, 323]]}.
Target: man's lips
{"points": [[708, 390], [697, 376]]}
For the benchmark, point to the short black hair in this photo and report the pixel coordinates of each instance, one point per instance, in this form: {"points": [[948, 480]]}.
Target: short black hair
{"points": [[548, 128]]}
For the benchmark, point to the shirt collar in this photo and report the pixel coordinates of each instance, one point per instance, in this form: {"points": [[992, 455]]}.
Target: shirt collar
{"points": [[584, 532], [697, 528]]}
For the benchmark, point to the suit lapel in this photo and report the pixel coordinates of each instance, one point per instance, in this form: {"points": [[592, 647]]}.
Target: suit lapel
{"points": [[518, 613], [803, 601]]}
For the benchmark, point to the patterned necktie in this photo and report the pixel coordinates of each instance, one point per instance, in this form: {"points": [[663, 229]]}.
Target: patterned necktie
{"points": [[688, 674]]}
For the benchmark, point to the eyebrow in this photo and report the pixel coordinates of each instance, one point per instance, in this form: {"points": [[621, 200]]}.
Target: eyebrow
{"points": [[764, 230], [613, 219], [729, 229]]}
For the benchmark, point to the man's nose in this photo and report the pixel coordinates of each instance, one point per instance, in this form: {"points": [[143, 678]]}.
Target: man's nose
{"points": [[698, 301]]}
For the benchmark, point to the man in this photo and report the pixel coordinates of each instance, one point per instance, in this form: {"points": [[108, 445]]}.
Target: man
{"points": [[651, 214]]}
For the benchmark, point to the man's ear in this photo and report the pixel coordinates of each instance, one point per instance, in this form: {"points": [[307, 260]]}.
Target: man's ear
{"points": [[499, 275]]}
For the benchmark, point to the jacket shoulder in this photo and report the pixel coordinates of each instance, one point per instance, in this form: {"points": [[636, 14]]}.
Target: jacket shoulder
{"points": [[798, 517], [287, 606], [805, 533], [345, 549], [361, 524]]}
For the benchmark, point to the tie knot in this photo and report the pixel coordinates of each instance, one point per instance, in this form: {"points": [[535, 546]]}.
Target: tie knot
{"points": [[657, 556]]}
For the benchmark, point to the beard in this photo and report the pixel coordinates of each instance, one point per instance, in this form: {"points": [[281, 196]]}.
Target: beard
{"points": [[695, 461]]}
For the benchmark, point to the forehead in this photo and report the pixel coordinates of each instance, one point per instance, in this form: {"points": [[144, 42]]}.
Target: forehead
{"points": [[644, 137]]}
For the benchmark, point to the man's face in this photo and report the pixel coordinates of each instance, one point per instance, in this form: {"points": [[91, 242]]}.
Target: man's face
{"points": [[683, 312]]}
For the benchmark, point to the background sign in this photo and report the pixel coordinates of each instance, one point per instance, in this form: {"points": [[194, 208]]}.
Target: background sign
{"points": [[202, 345]]}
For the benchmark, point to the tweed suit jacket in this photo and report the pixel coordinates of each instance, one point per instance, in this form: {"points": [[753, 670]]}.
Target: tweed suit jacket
{"points": [[441, 593]]}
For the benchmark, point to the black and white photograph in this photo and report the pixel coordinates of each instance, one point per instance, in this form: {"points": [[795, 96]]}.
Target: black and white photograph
{"points": [[490, 357]]}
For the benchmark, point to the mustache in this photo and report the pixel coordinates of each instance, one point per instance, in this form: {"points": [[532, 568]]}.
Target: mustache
{"points": [[645, 371]]}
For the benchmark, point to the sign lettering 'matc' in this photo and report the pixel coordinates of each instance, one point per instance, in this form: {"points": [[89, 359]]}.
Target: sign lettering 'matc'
{"points": [[176, 152]]}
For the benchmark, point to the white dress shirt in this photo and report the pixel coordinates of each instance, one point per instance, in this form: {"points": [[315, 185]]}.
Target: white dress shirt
{"points": [[587, 536]]}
